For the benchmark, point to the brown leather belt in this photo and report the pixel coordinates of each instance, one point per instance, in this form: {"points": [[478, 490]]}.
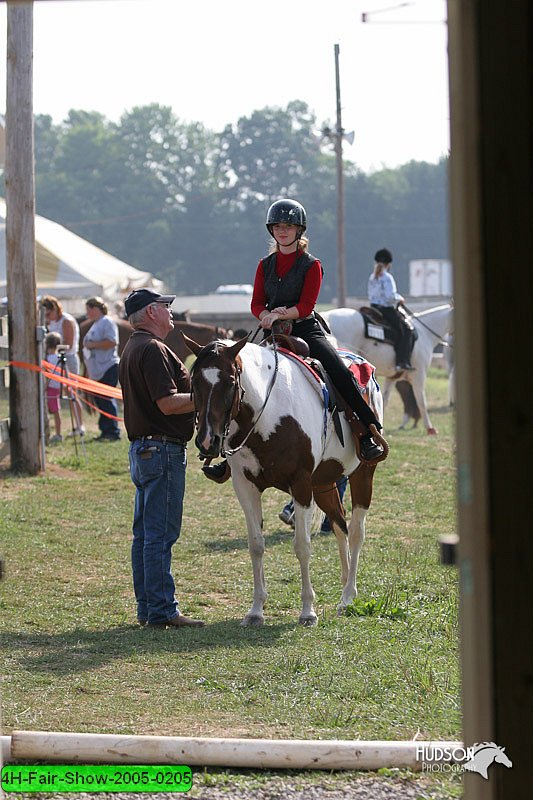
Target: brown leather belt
{"points": [[162, 438]]}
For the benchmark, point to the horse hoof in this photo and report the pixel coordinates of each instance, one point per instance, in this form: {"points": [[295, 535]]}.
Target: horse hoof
{"points": [[308, 621], [432, 432], [253, 621]]}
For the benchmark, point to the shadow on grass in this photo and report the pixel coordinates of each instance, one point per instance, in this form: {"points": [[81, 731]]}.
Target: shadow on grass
{"points": [[441, 410], [82, 650], [228, 544]]}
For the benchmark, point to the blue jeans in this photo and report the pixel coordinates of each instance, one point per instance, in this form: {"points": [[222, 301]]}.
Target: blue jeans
{"points": [[108, 427], [158, 471]]}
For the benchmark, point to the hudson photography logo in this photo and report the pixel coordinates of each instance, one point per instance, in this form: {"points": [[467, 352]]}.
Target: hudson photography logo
{"points": [[476, 758]]}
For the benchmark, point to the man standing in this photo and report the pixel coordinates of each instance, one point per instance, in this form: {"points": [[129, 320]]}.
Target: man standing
{"points": [[159, 420]]}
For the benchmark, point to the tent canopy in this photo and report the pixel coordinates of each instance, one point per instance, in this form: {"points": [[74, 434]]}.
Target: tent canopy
{"points": [[68, 266]]}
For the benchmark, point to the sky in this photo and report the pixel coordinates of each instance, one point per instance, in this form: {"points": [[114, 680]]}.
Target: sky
{"points": [[214, 61]]}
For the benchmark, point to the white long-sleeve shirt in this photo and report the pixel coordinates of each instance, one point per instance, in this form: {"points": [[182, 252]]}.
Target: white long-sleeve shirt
{"points": [[382, 290]]}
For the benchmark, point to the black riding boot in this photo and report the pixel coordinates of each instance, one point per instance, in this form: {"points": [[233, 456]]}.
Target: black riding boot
{"points": [[219, 473], [368, 450]]}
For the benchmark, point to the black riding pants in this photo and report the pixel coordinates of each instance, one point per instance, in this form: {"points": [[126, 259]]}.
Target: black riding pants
{"points": [[323, 351], [402, 347]]}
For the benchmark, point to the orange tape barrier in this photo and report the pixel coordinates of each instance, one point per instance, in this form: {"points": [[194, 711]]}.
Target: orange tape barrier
{"points": [[75, 383]]}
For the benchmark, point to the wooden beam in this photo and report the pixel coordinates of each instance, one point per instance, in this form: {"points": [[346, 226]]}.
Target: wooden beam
{"points": [[327, 754]]}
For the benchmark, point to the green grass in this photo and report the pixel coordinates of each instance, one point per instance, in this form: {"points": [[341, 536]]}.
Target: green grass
{"points": [[75, 661]]}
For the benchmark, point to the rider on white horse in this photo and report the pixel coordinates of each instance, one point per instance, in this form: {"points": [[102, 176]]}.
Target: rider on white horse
{"points": [[286, 288], [384, 298]]}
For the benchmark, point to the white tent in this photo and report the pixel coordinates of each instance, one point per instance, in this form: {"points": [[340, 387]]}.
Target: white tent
{"points": [[68, 266]]}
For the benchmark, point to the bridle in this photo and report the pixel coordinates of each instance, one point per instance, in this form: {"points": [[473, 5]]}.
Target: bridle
{"points": [[234, 450], [236, 403], [235, 407]]}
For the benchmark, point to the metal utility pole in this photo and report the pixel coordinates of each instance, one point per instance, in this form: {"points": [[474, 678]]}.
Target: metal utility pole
{"points": [[20, 239], [341, 268]]}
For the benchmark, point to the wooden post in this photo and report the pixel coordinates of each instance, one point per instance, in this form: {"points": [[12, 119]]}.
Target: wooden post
{"points": [[341, 269], [20, 239], [491, 64]]}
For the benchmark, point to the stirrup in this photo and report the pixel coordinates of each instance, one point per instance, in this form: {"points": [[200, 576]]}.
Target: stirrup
{"points": [[376, 435], [359, 431]]}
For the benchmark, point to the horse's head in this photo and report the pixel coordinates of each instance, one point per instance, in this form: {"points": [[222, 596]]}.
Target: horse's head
{"points": [[216, 388]]}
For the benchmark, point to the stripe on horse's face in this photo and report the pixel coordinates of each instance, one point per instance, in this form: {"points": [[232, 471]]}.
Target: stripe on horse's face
{"points": [[214, 391]]}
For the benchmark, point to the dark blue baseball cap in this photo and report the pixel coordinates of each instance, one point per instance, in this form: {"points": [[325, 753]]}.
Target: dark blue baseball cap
{"points": [[140, 298]]}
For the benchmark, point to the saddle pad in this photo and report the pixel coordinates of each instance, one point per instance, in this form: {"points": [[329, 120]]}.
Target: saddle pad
{"points": [[361, 369]]}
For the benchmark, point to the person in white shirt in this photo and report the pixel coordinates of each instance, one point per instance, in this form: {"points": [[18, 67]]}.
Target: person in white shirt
{"points": [[100, 350], [383, 296]]}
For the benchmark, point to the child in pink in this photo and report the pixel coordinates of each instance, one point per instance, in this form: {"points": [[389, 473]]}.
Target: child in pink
{"points": [[53, 388]]}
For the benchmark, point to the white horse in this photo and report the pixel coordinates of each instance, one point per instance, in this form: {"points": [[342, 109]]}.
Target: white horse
{"points": [[348, 327], [266, 413]]}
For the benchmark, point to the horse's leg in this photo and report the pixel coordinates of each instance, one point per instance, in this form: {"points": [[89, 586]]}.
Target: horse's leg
{"points": [[302, 547], [250, 500], [361, 482], [418, 381], [451, 387], [328, 500], [386, 388]]}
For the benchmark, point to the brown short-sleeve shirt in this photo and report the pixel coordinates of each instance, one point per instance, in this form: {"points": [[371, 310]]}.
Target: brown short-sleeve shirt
{"points": [[148, 371]]}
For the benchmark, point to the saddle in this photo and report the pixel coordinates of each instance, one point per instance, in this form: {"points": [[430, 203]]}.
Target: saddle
{"points": [[378, 328], [362, 372]]}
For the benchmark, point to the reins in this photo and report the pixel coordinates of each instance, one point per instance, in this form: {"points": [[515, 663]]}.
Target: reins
{"points": [[434, 333], [234, 450]]}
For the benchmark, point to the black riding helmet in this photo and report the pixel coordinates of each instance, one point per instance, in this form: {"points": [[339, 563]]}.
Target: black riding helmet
{"points": [[289, 211], [383, 256]]}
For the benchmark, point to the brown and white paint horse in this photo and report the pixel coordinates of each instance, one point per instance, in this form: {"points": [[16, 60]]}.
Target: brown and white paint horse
{"points": [[258, 407]]}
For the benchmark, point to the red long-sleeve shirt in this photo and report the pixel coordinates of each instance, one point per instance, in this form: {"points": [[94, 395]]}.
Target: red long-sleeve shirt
{"points": [[311, 287]]}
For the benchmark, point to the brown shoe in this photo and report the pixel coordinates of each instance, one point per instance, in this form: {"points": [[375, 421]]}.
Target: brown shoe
{"points": [[181, 621]]}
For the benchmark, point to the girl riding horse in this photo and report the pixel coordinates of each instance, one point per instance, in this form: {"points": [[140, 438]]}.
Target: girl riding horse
{"points": [[286, 288]]}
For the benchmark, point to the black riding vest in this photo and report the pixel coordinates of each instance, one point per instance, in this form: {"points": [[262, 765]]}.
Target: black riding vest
{"points": [[285, 291]]}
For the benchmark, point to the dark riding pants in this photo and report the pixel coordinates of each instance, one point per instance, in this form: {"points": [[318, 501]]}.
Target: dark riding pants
{"points": [[403, 334]]}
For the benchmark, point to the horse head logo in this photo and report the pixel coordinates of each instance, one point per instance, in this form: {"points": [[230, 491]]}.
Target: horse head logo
{"points": [[484, 753]]}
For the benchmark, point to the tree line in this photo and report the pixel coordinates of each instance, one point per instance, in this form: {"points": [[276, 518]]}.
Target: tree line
{"points": [[189, 204]]}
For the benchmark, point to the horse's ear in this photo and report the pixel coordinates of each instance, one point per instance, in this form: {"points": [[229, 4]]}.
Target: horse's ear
{"points": [[193, 346], [234, 349]]}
